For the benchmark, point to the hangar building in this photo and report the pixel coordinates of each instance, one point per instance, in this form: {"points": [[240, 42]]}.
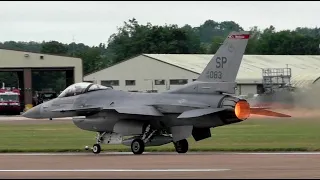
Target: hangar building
{"points": [[160, 72], [25, 62]]}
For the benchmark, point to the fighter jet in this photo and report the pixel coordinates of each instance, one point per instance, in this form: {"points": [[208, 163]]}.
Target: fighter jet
{"points": [[140, 120]]}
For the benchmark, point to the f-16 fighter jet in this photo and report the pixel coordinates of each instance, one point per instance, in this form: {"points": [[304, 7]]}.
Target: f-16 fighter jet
{"points": [[155, 119]]}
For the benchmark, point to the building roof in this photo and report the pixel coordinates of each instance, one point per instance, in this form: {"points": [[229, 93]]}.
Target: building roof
{"points": [[305, 69], [15, 58], [31, 52]]}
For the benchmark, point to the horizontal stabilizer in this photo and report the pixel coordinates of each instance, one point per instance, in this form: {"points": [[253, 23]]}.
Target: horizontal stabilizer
{"points": [[138, 110], [199, 112], [265, 112]]}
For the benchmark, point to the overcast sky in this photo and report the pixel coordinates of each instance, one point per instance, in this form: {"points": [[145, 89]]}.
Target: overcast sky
{"points": [[93, 22]]}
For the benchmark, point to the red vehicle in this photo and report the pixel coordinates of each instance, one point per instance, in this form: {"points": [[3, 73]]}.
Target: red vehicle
{"points": [[10, 101]]}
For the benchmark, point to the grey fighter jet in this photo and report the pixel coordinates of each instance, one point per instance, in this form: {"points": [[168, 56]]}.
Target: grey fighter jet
{"points": [[154, 119]]}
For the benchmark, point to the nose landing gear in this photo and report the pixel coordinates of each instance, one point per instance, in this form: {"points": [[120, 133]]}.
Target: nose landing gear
{"points": [[96, 149]]}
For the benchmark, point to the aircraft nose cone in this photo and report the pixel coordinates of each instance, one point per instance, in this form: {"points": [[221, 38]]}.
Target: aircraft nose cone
{"points": [[33, 112]]}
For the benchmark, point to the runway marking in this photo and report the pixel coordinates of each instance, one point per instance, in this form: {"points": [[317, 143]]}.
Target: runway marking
{"points": [[156, 153], [281, 153], [111, 170]]}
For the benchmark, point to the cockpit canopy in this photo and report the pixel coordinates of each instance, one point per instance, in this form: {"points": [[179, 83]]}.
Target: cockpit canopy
{"points": [[80, 88]]}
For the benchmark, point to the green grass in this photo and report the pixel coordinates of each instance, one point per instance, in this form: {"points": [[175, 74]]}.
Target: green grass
{"points": [[251, 135]]}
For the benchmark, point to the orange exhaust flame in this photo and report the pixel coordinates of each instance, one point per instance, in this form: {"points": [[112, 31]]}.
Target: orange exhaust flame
{"points": [[265, 112], [242, 110]]}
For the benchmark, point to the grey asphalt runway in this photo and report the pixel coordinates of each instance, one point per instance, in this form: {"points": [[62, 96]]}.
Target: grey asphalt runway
{"points": [[160, 165], [155, 165]]}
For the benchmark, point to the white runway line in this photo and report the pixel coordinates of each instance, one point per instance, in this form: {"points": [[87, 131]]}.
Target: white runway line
{"points": [[111, 170], [282, 153]]}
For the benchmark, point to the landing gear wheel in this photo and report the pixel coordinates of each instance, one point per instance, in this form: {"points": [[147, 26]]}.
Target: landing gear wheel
{"points": [[181, 146], [137, 146], [96, 148]]}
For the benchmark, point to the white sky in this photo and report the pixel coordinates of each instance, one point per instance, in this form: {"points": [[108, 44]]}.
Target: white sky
{"points": [[93, 22]]}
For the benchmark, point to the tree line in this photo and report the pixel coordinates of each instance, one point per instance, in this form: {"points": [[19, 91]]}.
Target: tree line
{"points": [[133, 38]]}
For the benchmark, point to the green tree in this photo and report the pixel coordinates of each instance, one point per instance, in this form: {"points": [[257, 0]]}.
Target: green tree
{"points": [[133, 39], [313, 32], [92, 60], [211, 29], [253, 42], [286, 42], [216, 43], [54, 47], [21, 46]]}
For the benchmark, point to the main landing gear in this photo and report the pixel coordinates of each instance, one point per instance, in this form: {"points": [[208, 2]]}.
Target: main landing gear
{"points": [[138, 144], [181, 146]]}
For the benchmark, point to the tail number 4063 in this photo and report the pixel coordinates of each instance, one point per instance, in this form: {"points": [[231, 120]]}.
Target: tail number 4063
{"points": [[214, 74]]}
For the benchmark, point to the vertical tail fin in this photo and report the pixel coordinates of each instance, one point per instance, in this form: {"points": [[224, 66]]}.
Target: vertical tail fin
{"points": [[224, 65], [220, 74]]}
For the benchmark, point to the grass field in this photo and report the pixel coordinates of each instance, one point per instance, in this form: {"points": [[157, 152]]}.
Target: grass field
{"points": [[251, 135]]}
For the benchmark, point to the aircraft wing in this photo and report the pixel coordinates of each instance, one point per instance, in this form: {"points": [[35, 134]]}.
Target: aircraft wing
{"points": [[137, 110]]}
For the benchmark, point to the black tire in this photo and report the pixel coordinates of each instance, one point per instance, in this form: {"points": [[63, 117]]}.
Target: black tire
{"points": [[96, 149], [181, 146], [137, 146]]}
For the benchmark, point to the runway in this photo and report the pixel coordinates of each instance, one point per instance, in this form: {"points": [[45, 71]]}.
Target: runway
{"points": [[160, 165], [155, 165]]}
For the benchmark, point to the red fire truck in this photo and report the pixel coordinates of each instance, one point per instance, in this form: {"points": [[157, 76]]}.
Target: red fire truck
{"points": [[10, 100]]}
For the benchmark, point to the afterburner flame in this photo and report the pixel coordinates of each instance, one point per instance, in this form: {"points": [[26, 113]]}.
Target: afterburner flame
{"points": [[242, 110]]}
